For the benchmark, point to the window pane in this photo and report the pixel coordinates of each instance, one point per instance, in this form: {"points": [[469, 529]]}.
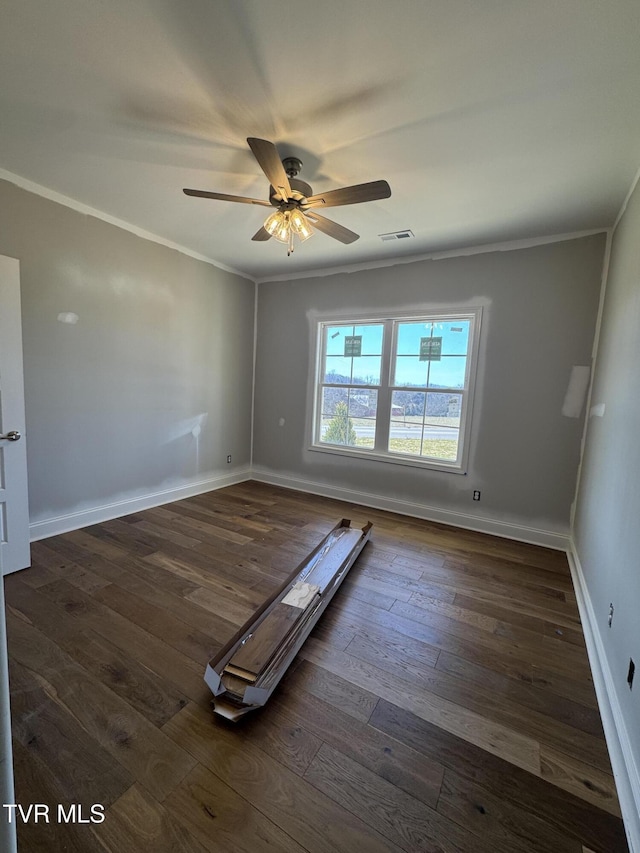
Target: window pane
{"points": [[371, 338], [338, 370], [336, 426], [330, 399], [409, 335], [455, 337], [366, 370], [405, 427], [442, 426], [371, 335], [408, 404], [335, 339], [425, 424], [443, 410], [449, 372], [363, 408], [410, 371], [362, 403], [363, 368], [405, 439], [440, 443]]}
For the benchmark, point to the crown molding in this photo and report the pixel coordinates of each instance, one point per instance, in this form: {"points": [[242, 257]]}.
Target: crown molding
{"points": [[634, 184], [485, 248], [80, 207]]}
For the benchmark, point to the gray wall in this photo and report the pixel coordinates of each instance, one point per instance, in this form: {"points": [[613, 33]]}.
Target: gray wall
{"points": [[539, 312], [607, 521], [163, 345]]}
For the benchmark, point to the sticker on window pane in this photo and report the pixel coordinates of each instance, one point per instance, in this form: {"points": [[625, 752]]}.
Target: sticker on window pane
{"points": [[430, 349], [455, 338], [353, 346]]}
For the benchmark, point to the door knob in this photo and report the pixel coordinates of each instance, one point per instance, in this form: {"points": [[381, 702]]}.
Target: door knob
{"points": [[14, 435]]}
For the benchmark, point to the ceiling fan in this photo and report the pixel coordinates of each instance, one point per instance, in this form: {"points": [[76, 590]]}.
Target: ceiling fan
{"points": [[294, 200]]}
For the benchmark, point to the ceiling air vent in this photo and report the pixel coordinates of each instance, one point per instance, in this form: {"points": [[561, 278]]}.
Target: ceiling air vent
{"points": [[397, 235]]}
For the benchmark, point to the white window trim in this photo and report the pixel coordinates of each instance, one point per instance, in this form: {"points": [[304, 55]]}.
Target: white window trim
{"points": [[460, 466]]}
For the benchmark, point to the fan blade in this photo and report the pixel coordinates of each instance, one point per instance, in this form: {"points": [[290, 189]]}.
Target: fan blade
{"points": [[261, 235], [350, 195], [332, 229], [269, 161], [225, 197]]}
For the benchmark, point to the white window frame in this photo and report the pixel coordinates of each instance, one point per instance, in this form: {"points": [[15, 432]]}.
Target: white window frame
{"points": [[390, 321]]}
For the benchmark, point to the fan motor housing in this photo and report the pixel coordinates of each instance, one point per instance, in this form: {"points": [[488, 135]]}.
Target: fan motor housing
{"points": [[299, 190]]}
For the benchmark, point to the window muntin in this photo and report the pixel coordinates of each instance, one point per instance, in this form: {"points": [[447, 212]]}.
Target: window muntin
{"points": [[397, 389]]}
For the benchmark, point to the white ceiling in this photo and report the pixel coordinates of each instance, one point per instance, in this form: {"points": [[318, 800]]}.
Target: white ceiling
{"points": [[492, 120]]}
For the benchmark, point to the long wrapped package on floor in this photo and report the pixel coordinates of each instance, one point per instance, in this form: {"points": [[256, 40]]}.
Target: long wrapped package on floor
{"points": [[247, 670]]}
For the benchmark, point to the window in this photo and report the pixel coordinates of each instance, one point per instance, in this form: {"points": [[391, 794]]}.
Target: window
{"points": [[397, 389]]}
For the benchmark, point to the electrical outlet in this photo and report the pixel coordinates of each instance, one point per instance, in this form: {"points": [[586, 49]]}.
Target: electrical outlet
{"points": [[632, 672], [229, 458], [610, 620], [476, 494]]}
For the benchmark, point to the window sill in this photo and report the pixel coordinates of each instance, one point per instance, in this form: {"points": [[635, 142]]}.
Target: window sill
{"points": [[429, 464]]}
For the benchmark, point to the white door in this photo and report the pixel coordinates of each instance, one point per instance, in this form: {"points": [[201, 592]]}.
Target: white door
{"points": [[14, 502]]}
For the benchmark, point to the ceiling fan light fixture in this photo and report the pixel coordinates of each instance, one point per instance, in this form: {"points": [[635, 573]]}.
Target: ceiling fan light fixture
{"points": [[274, 223], [283, 234], [283, 224], [300, 225]]}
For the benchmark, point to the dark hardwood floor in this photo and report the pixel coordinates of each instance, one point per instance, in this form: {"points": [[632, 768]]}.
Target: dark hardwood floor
{"points": [[442, 704]]}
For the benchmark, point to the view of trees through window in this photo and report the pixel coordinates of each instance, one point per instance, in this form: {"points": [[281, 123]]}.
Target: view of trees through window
{"points": [[396, 387]]}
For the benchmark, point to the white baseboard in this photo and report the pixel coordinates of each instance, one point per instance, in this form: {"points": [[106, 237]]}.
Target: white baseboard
{"points": [[495, 527], [45, 528], [95, 515], [623, 761]]}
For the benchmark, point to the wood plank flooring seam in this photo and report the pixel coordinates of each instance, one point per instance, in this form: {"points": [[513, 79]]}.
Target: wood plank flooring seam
{"points": [[237, 782], [520, 750]]}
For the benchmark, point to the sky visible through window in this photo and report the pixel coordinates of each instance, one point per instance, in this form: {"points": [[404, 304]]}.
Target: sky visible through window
{"points": [[447, 371]]}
